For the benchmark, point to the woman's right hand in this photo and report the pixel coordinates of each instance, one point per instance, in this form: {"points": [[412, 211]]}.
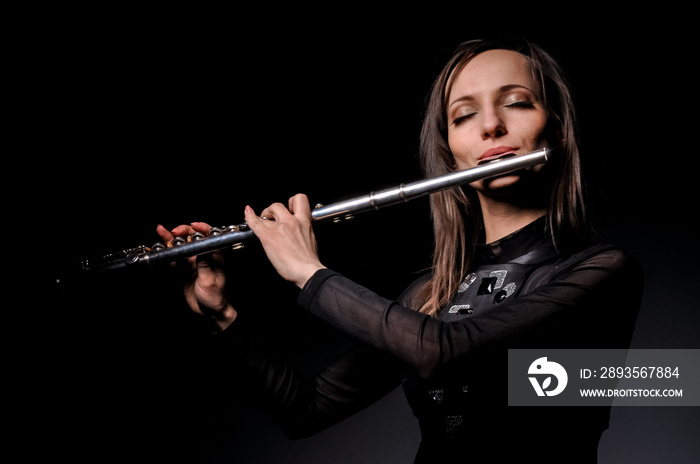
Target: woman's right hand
{"points": [[205, 284]]}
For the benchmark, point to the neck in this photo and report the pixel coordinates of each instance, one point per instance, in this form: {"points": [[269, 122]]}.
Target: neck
{"points": [[504, 218]]}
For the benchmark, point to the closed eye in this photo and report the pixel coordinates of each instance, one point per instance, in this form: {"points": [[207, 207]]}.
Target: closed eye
{"points": [[524, 104], [520, 104], [456, 121]]}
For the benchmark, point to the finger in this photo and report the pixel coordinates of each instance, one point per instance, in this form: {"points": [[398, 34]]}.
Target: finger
{"points": [[206, 267], [250, 217], [277, 211], [210, 261], [267, 213], [167, 238], [164, 234], [299, 206], [255, 222], [201, 227], [183, 230]]}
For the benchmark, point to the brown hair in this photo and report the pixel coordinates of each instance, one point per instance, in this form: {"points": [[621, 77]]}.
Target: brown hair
{"points": [[455, 213]]}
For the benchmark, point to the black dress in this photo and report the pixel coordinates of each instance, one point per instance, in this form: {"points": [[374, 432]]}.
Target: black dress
{"points": [[522, 293]]}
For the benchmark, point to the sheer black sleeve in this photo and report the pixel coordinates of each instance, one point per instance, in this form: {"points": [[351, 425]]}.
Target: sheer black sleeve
{"points": [[604, 287], [302, 405]]}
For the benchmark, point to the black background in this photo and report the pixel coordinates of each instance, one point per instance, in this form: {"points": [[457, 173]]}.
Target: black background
{"points": [[130, 118]]}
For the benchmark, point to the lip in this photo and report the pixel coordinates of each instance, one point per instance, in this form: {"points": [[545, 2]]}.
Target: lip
{"points": [[496, 152]]}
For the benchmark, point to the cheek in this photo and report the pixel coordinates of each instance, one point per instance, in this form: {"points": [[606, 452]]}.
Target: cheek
{"points": [[462, 163], [537, 130], [459, 146]]}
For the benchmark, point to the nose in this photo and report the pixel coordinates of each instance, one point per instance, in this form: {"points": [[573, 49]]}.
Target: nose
{"points": [[493, 125]]}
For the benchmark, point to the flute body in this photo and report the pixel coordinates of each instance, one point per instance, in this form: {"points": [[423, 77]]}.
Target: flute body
{"points": [[234, 236]]}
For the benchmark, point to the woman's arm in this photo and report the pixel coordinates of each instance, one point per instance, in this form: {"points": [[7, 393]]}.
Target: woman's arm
{"points": [[605, 286], [607, 282], [303, 406]]}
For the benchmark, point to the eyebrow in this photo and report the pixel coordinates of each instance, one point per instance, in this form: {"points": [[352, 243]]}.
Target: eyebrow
{"points": [[503, 89]]}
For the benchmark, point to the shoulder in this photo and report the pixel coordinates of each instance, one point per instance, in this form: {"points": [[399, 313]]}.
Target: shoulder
{"points": [[611, 257], [602, 265], [598, 263]]}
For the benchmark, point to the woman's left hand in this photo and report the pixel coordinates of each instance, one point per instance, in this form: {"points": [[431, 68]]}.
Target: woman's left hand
{"points": [[288, 238]]}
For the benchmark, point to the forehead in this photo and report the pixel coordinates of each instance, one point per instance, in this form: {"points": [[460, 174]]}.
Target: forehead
{"points": [[492, 69]]}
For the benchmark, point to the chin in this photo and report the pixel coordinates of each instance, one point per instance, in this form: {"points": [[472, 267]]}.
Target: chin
{"points": [[501, 184]]}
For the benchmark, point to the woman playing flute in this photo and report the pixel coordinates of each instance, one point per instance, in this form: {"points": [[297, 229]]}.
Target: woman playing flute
{"points": [[515, 265]]}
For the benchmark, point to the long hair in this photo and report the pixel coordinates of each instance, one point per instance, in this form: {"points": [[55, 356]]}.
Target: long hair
{"points": [[456, 213]]}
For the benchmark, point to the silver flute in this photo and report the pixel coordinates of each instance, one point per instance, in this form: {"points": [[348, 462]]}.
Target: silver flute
{"points": [[232, 237]]}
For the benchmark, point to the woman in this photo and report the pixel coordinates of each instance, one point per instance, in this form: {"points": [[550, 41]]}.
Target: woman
{"points": [[514, 266]]}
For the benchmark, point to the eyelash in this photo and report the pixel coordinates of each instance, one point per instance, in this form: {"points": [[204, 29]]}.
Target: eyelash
{"points": [[458, 120], [527, 104], [522, 104]]}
